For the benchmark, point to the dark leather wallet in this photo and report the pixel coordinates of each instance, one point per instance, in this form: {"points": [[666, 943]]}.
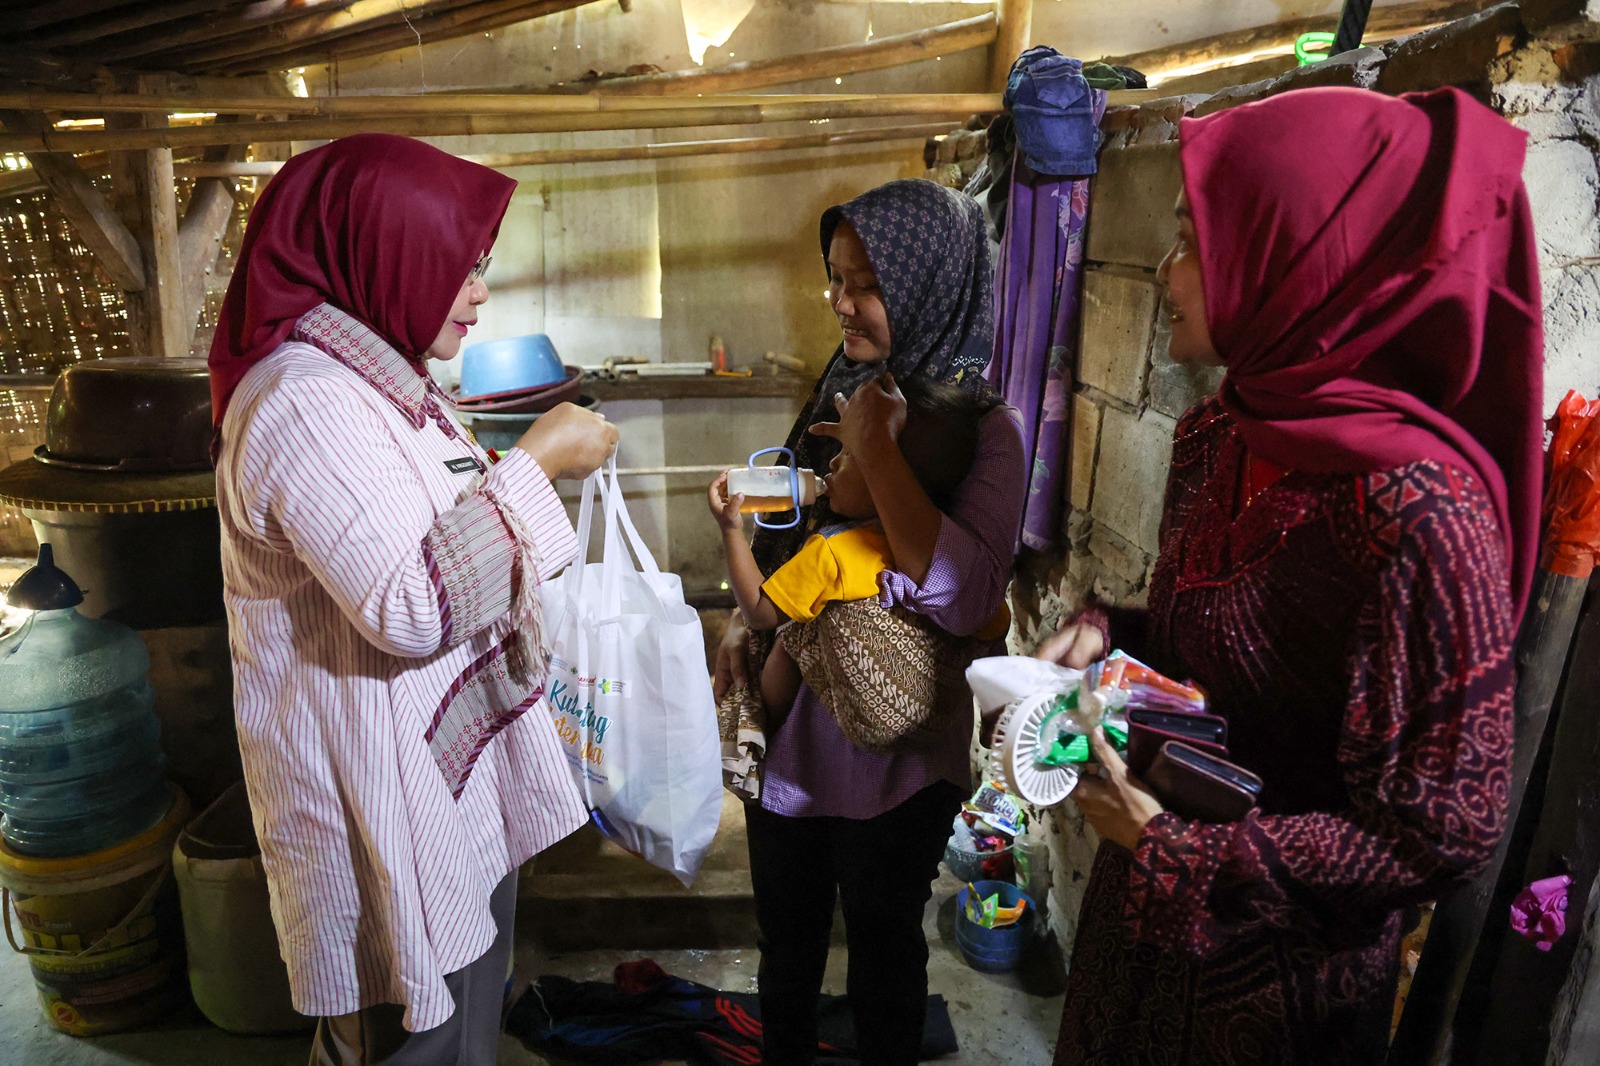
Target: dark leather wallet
{"points": [[1149, 729], [1199, 786]]}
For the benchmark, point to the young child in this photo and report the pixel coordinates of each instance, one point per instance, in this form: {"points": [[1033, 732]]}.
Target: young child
{"points": [[843, 559]]}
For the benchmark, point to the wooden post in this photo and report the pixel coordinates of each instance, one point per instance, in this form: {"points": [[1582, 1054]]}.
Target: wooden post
{"points": [[1016, 28], [205, 221], [1524, 1009], [148, 199], [1425, 1035]]}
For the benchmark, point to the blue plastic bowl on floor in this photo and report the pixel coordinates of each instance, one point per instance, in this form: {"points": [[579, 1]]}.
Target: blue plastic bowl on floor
{"points": [[993, 950], [509, 364]]}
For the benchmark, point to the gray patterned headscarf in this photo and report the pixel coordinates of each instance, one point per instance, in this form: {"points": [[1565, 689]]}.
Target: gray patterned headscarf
{"points": [[929, 248]]}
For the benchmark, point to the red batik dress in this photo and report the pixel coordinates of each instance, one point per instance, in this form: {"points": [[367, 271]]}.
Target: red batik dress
{"points": [[1356, 631]]}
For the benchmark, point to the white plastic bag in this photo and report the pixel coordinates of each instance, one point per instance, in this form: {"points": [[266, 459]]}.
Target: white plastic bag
{"points": [[630, 694]]}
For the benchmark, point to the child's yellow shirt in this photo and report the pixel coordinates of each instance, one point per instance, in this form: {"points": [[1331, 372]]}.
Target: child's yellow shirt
{"points": [[843, 566]]}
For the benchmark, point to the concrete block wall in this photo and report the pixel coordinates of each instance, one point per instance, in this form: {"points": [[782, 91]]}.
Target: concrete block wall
{"points": [[1129, 395]]}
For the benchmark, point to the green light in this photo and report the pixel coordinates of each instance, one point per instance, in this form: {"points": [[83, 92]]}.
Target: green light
{"points": [[1306, 41]]}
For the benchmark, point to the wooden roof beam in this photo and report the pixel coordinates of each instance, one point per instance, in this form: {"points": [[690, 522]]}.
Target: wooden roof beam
{"points": [[253, 18], [458, 19], [93, 219], [21, 66], [55, 12], [877, 54], [311, 27], [144, 16]]}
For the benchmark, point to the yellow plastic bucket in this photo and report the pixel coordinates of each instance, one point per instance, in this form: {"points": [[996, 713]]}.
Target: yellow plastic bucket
{"points": [[102, 932]]}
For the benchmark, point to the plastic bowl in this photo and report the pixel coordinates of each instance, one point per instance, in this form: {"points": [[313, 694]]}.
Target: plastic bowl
{"points": [[993, 950], [510, 364]]}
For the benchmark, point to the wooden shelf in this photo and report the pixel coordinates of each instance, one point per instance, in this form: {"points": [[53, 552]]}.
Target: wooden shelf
{"points": [[708, 387]]}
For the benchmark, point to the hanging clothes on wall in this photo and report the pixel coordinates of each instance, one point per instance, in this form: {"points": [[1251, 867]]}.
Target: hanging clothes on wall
{"points": [[1038, 277]]}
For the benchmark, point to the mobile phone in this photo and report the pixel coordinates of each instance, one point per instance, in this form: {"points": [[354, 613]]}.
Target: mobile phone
{"points": [[1198, 760], [1149, 729], [1199, 786]]}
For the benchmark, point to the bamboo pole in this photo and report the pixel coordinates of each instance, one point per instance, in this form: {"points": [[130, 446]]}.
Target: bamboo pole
{"points": [[658, 150], [387, 105], [1385, 21], [708, 112], [1016, 26], [877, 54]]}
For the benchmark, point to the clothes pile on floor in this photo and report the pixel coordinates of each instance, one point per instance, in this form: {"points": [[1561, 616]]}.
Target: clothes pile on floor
{"points": [[647, 1014]]}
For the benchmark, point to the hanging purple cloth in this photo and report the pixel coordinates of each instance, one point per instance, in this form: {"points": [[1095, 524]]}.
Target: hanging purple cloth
{"points": [[1038, 284]]}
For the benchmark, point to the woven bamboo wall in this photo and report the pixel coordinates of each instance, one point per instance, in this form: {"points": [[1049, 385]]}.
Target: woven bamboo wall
{"points": [[57, 308]]}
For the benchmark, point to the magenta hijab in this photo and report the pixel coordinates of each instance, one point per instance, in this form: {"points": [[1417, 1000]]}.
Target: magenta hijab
{"points": [[385, 228], [1372, 287]]}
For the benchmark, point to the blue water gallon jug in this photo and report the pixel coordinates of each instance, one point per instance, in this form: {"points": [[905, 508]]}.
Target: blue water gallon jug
{"points": [[80, 754]]}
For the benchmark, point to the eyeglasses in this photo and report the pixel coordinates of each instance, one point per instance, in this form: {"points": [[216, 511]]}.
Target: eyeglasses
{"points": [[480, 268]]}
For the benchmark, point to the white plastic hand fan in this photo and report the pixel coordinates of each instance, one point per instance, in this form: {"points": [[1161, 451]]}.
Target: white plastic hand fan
{"points": [[1027, 730]]}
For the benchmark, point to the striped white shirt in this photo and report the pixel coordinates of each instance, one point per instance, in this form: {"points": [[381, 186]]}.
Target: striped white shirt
{"points": [[371, 572]]}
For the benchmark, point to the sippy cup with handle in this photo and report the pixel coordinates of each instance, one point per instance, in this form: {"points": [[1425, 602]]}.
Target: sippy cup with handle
{"points": [[771, 489]]}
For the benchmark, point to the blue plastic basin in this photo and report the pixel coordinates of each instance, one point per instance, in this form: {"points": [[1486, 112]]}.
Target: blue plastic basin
{"points": [[510, 364], [993, 950]]}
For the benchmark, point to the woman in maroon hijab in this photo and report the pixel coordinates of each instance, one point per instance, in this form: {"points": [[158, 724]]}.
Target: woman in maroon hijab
{"points": [[381, 583], [1347, 544]]}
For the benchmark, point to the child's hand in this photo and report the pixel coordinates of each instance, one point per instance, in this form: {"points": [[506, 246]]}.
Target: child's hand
{"points": [[725, 509]]}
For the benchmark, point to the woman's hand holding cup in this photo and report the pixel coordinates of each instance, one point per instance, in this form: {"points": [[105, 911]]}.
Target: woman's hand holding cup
{"points": [[569, 442]]}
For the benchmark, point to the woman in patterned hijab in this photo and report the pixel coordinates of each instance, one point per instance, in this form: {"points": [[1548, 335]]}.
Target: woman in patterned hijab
{"points": [[928, 248], [909, 273]]}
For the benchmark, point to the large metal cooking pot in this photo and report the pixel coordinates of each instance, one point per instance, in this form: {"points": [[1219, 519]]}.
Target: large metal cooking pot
{"points": [[136, 415], [124, 491]]}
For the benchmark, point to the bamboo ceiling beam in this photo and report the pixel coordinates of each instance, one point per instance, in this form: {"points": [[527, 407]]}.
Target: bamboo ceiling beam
{"points": [[57, 11], [21, 66], [1384, 22], [697, 112], [142, 17], [252, 18], [364, 21], [876, 54], [481, 17], [1016, 27], [452, 104], [309, 26]]}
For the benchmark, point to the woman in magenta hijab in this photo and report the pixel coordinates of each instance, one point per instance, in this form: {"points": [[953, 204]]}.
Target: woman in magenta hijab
{"points": [[380, 576], [1347, 544]]}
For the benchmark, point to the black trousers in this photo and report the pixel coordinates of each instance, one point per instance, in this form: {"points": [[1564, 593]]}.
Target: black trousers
{"points": [[882, 870]]}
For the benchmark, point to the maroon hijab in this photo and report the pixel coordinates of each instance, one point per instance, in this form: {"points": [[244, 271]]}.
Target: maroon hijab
{"points": [[385, 228], [1371, 285]]}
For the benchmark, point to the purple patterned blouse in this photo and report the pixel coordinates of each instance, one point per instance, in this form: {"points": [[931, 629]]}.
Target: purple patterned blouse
{"points": [[1356, 630], [811, 769]]}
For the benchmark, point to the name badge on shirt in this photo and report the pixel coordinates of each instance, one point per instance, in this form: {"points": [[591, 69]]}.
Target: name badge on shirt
{"points": [[461, 465]]}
